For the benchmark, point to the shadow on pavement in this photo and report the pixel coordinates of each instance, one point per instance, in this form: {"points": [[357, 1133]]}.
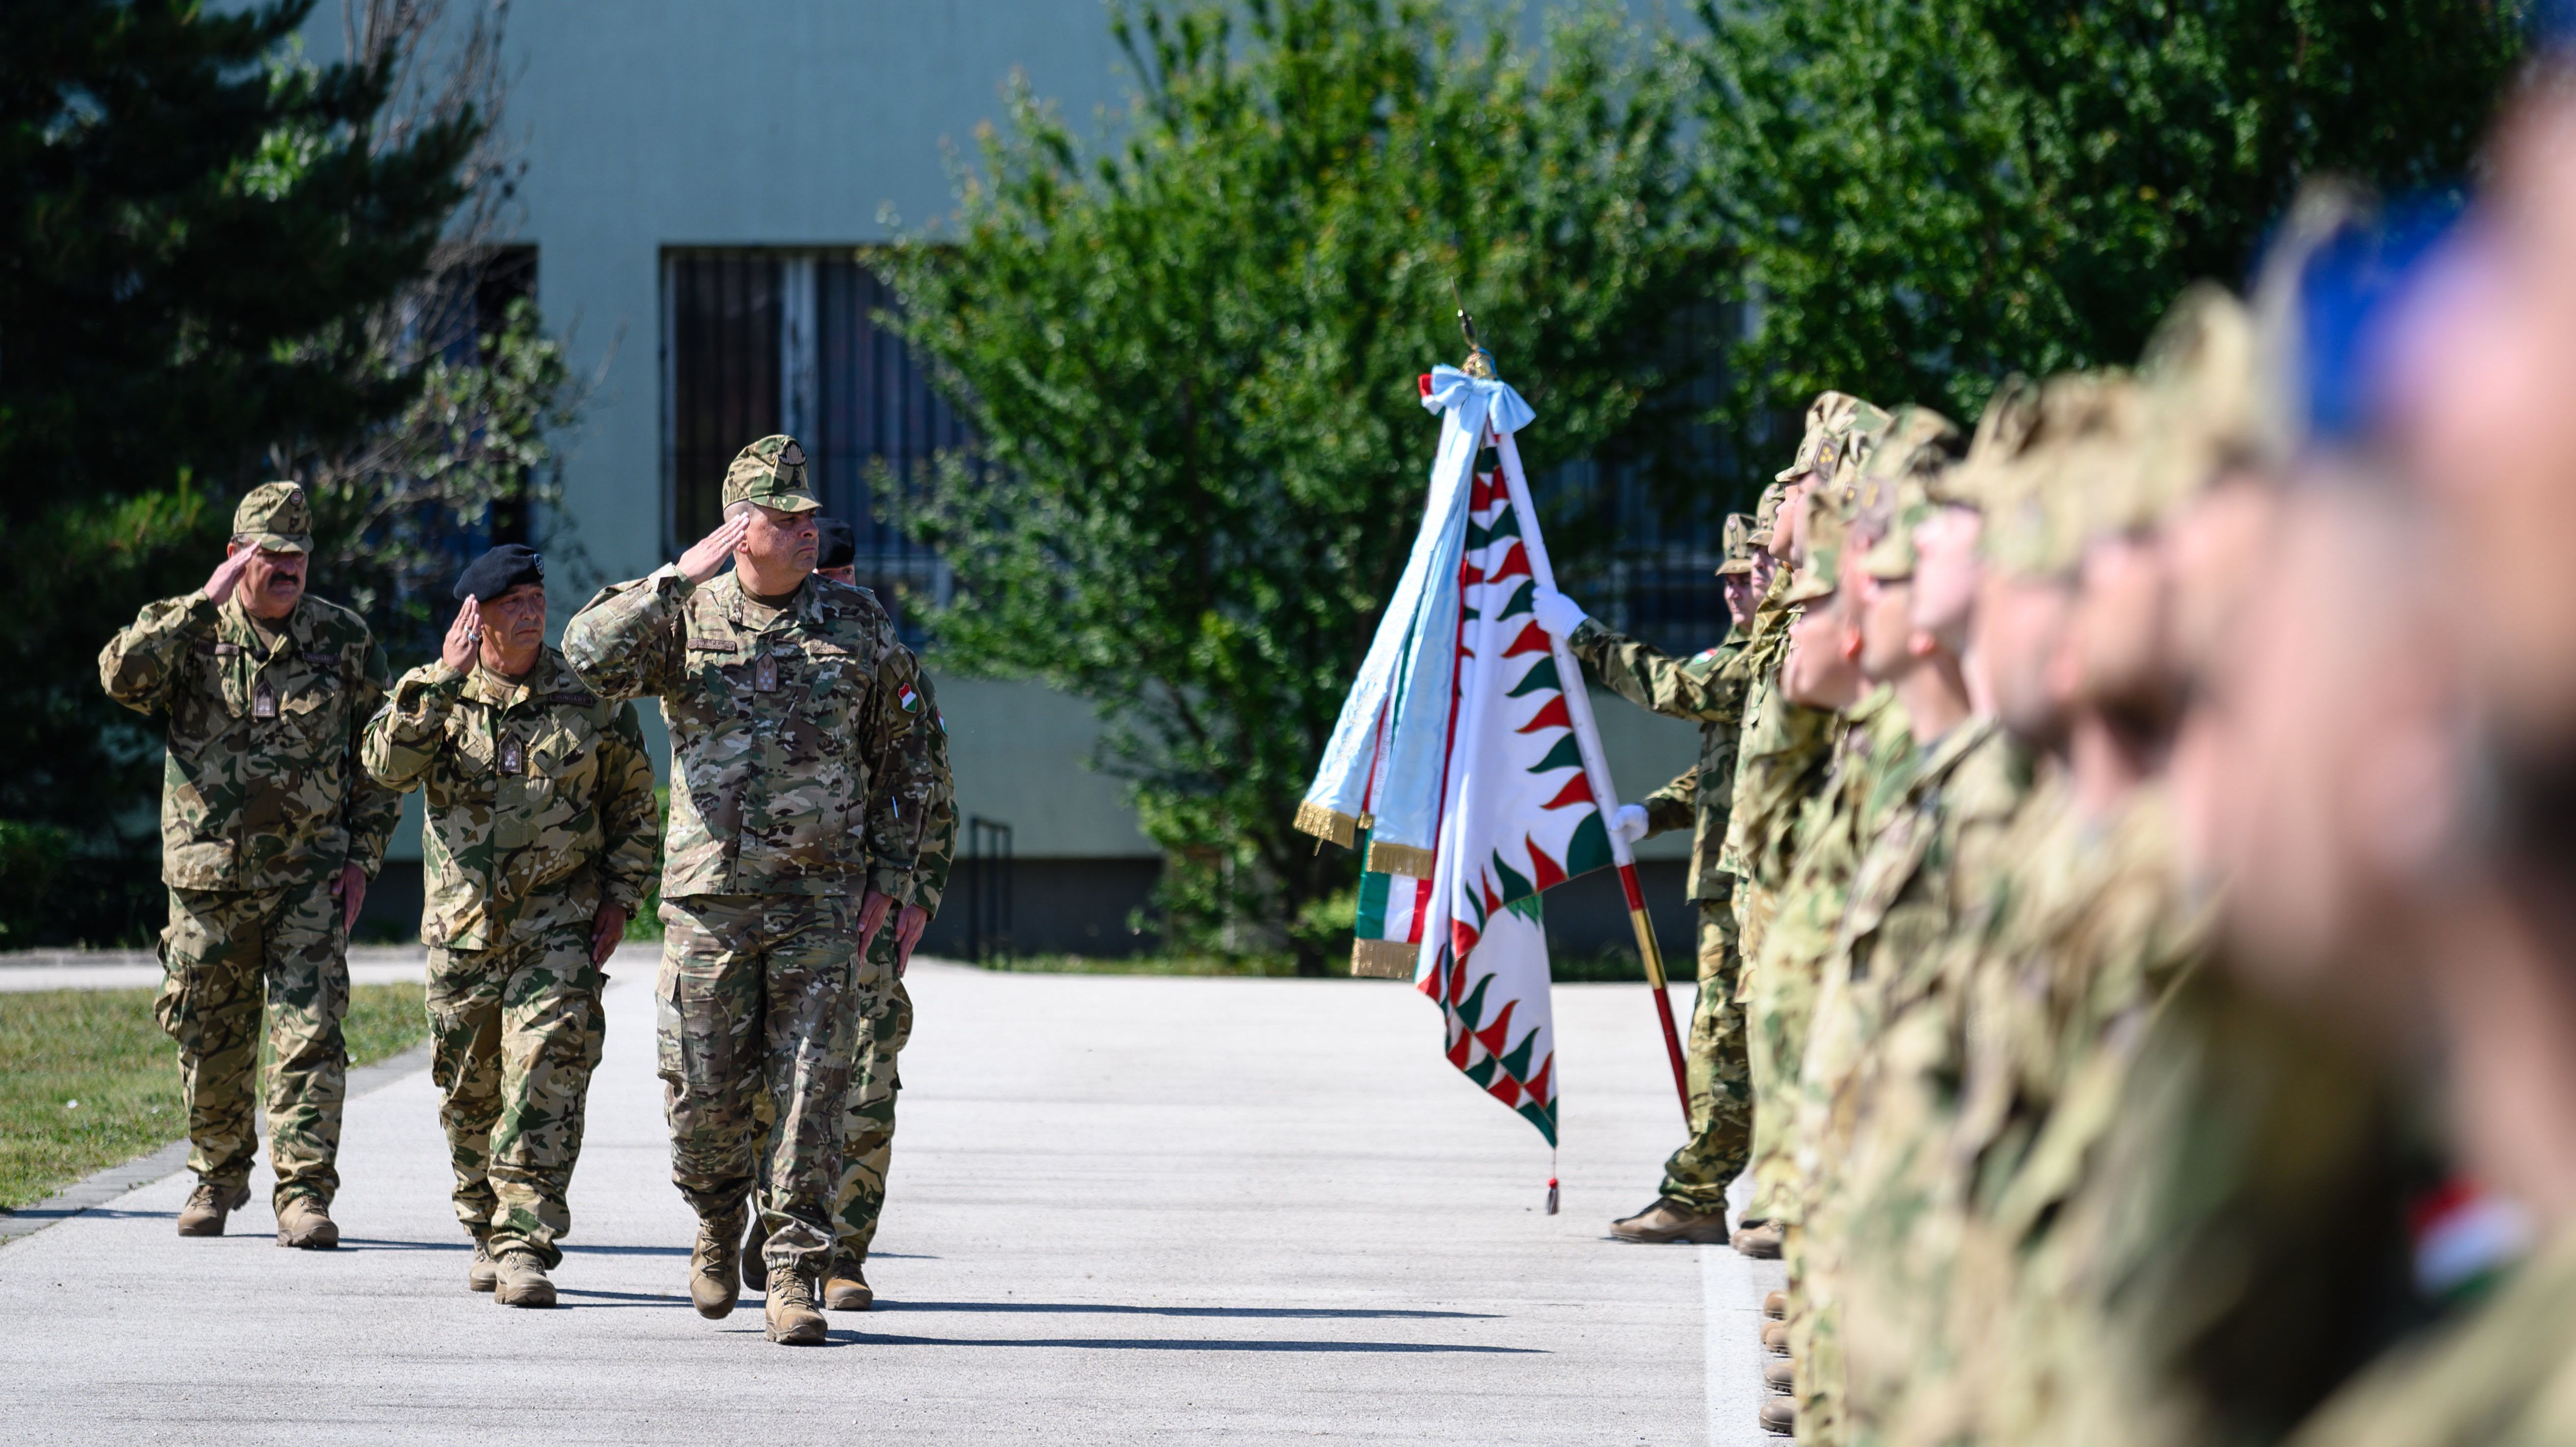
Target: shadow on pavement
{"points": [[1181, 1344], [1293, 1313]]}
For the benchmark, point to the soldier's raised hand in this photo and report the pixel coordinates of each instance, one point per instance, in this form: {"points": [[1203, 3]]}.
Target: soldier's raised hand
{"points": [[708, 555], [464, 641], [1557, 613], [219, 586]]}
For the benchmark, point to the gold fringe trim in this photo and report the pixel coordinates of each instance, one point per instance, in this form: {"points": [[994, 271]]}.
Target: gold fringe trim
{"points": [[1328, 824], [1383, 959], [1387, 857]]}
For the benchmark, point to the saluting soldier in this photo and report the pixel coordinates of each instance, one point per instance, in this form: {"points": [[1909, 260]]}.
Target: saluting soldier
{"points": [[542, 837], [792, 836], [270, 831]]}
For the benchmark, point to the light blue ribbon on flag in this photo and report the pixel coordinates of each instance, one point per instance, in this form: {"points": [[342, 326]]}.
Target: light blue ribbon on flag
{"points": [[1410, 664]]}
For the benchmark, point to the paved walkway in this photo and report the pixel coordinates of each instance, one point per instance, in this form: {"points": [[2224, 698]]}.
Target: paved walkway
{"points": [[1124, 1209]]}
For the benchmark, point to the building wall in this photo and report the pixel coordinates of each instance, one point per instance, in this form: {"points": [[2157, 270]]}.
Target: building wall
{"points": [[649, 125]]}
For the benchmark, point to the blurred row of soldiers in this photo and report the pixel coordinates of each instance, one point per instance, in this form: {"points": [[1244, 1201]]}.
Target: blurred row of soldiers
{"points": [[810, 827], [2132, 845]]}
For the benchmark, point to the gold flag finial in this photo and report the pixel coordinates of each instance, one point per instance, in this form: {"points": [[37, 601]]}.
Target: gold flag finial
{"points": [[1479, 363]]}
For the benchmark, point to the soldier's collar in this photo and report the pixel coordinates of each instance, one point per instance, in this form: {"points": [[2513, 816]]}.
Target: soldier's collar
{"points": [[1947, 750], [266, 640], [545, 678]]}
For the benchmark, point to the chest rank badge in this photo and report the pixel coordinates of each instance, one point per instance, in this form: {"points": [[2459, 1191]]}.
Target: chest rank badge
{"points": [[764, 674], [512, 759], [263, 700]]}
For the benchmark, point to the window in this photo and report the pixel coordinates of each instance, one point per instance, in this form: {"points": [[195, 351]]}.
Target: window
{"points": [[763, 341]]}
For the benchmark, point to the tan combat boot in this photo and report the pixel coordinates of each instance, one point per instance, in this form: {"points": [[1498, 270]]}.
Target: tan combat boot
{"points": [[305, 1224], [1780, 1416], [1776, 1306], [207, 1207], [482, 1271], [848, 1289], [1669, 1220], [715, 1274], [755, 1273], [1761, 1242], [522, 1281], [793, 1321], [1780, 1375], [1775, 1338]]}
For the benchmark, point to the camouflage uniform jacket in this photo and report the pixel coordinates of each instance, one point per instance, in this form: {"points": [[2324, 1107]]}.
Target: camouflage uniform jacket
{"points": [[938, 821], [1700, 688], [1781, 760], [1929, 865], [790, 771], [263, 787], [532, 786]]}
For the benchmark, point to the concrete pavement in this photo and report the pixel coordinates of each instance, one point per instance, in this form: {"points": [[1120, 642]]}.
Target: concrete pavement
{"points": [[1123, 1208]]}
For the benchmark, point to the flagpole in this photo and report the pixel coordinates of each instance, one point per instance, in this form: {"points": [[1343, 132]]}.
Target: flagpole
{"points": [[1596, 767]]}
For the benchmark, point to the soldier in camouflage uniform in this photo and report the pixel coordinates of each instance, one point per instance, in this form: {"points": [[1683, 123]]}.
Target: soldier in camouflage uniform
{"points": [[794, 798], [1783, 761], [542, 835], [1705, 688], [869, 1125], [270, 831]]}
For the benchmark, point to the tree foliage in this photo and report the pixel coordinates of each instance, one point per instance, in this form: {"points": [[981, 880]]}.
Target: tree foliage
{"points": [[1189, 354], [223, 262], [1928, 194]]}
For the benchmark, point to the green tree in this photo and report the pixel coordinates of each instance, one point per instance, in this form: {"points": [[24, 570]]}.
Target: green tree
{"points": [[1190, 352], [1929, 194], [212, 252]]}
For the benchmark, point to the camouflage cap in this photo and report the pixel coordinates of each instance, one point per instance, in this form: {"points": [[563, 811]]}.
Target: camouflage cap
{"points": [[1869, 427], [1821, 574], [770, 472], [1979, 480], [1829, 421], [275, 519], [1739, 547], [2202, 405], [2082, 452], [1766, 513]]}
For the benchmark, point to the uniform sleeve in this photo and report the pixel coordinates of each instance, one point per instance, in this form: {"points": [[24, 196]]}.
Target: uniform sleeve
{"points": [[630, 817], [625, 643], [405, 736], [901, 773], [939, 818], [140, 665], [372, 809], [1652, 679], [1674, 806]]}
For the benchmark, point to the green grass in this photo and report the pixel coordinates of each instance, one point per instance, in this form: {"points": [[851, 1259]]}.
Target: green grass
{"points": [[102, 1049]]}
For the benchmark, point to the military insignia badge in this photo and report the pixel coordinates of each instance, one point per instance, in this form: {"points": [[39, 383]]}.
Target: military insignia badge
{"points": [[792, 455], [263, 701], [513, 759], [764, 674], [910, 699]]}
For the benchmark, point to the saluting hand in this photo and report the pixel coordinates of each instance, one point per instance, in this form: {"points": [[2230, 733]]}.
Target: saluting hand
{"points": [[219, 586], [707, 556], [464, 641]]}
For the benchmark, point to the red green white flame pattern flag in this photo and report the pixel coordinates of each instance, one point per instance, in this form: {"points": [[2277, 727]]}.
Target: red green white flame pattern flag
{"points": [[1521, 816]]}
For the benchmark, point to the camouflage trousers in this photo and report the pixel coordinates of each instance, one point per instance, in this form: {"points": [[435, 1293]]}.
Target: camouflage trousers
{"points": [[868, 1126], [515, 1031], [1721, 1087], [1777, 1002], [225, 955], [755, 1005]]}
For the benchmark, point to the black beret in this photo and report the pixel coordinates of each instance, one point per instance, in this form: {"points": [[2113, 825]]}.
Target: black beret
{"points": [[500, 570], [839, 546]]}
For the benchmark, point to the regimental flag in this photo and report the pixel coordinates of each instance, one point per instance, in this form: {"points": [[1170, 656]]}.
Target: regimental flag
{"points": [[1463, 837]]}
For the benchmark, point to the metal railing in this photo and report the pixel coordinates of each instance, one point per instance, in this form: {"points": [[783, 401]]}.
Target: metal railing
{"points": [[988, 888]]}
